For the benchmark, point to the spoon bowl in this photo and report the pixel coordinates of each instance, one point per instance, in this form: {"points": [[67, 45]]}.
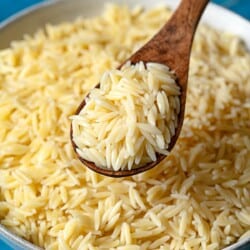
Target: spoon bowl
{"points": [[171, 46]]}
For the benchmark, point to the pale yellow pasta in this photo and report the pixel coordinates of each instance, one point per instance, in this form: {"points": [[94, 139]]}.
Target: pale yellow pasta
{"points": [[198, 198], [141, 101]]}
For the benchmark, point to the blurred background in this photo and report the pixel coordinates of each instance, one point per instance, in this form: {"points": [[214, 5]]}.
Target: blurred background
{"points": [[10, 7]]}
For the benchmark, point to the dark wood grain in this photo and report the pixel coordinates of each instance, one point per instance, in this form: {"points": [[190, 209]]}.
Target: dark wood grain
{"points": [[170, 46]]}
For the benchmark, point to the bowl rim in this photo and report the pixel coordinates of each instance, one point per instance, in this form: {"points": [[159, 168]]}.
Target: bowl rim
{"points": [[208, 16]]}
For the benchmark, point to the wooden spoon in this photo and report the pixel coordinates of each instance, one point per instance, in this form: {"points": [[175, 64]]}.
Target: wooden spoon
{"points": [[171, 46]]}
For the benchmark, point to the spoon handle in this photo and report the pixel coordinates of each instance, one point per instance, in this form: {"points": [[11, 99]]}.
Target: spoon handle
{"points": [[178, 34], [172, 44]]}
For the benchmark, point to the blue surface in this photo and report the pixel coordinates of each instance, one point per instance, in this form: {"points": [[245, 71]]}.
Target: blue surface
{"points": [[10, 7]]}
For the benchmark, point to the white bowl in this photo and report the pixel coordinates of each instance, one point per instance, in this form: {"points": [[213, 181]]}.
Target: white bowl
{"points": [[29, 20]]}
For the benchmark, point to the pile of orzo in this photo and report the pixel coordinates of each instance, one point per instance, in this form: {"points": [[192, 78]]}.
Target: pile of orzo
{"points": [[130, 118], [198, 198]]}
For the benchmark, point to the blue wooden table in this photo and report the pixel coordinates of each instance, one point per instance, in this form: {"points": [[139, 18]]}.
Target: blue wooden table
{"points": [[10, 7]]}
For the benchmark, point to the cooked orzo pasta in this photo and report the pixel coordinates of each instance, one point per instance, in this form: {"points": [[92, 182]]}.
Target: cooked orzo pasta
{"points": [[130, 118], [197, 199]]}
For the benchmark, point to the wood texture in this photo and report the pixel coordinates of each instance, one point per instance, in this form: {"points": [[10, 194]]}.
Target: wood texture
{"points": [[170, 46]]}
